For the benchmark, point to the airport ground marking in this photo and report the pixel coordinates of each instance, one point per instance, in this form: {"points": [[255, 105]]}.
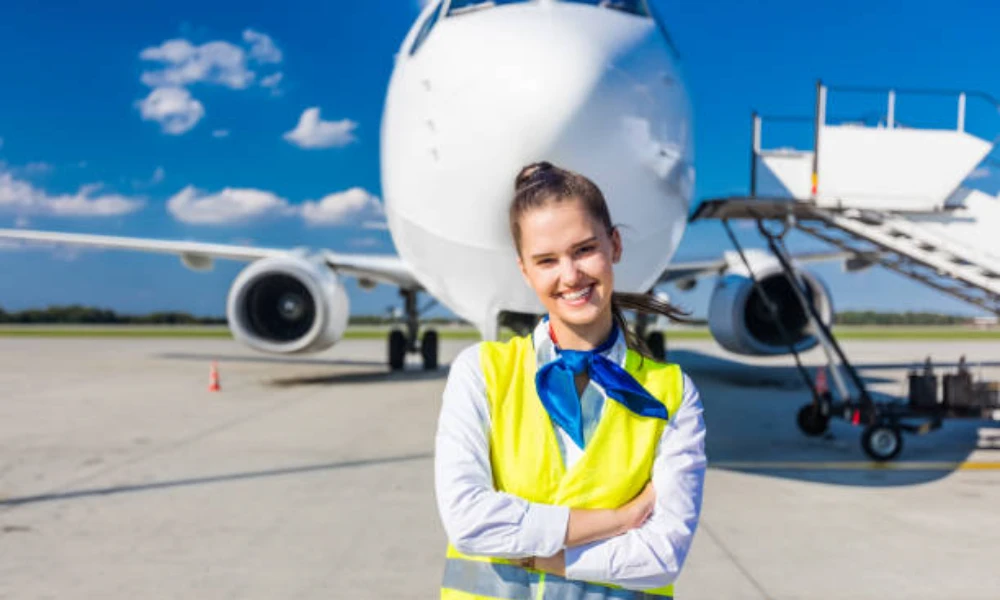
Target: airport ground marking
{"points": [[847, 465]]}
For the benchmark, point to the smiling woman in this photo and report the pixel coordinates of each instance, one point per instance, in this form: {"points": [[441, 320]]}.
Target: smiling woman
{"points": [[568, 461]]}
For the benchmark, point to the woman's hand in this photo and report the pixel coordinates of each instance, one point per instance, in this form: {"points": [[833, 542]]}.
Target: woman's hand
{"points": [[638, 510], [592, 525], [555, 564]]}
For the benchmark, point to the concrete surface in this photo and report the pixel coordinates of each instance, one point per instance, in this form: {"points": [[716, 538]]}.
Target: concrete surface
{"points": [[121, 476]]}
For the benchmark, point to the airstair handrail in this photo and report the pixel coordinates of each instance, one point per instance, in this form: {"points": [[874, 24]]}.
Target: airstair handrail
{"points": [[961, 95]]}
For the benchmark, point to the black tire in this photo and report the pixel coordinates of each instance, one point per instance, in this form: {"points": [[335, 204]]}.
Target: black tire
{"points": [[811, 421], [882, 441], [429, 350], [657, 345], [397, 350]]}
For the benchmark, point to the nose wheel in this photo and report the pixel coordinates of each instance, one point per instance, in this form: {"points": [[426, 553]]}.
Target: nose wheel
{"points": [[657, 345], [401, 343], [882, 441], [399, 347]]}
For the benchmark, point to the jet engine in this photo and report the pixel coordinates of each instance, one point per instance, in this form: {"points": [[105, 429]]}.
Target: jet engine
{"points": [[740, 321], [287, 304]]}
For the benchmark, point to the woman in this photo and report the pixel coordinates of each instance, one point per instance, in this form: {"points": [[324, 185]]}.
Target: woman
{"points": [[568, 465]]}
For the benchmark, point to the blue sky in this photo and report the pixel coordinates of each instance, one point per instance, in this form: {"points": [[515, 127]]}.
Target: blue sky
{"points": [[91, 143]]}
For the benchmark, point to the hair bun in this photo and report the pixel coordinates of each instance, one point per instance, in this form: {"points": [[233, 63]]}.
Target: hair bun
{"points": [[529, 172]]}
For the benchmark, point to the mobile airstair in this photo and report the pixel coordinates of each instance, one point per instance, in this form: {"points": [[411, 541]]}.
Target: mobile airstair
{"points": [[888, 194]]}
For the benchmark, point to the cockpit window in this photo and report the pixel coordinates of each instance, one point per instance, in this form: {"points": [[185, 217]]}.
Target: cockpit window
{"points": [[635, 7], [458, 7], [425, 29]]}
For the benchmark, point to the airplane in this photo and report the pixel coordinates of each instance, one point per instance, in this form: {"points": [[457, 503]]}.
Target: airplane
{"points": [[479, 89]]}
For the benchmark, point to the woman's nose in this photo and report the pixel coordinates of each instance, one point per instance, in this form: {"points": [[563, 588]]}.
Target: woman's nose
{"points": [[570, 273]]}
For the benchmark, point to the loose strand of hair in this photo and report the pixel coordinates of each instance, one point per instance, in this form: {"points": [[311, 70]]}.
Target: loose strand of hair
{"points": [[647, 304]]}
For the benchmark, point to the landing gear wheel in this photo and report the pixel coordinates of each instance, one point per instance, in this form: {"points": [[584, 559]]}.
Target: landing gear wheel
{"points": [[657, 345], [397, 350], [811, 421], [882, 442], [429, 350]]}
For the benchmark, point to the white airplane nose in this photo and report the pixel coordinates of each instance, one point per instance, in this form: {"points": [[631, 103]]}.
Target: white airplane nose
{"points": [[489, 91]]}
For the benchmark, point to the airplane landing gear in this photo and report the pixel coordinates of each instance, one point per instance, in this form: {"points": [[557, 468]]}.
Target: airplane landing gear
{"points": [[657, 345], [429, 350], [401, 343], [655, 341], [397, 349]]}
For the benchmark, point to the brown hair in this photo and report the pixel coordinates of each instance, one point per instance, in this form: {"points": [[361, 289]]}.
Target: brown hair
{"points": [[539, 184]]}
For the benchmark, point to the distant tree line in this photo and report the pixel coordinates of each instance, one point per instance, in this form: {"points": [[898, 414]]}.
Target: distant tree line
{"points": [[870, 317], [88, 315], [76, 314], [100, 316]]}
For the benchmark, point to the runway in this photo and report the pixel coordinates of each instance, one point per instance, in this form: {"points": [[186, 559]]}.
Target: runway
{"points": [[121, 476]]}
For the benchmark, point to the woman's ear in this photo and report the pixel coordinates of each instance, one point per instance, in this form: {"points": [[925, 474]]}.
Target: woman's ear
{"points": [[616, 245]]}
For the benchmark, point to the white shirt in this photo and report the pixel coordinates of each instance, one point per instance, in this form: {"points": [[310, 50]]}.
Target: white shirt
{"points": [[480, 520]]}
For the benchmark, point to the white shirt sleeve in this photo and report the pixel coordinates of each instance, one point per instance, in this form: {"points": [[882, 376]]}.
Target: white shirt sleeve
{"points": [[651, 556], [478, 519]]}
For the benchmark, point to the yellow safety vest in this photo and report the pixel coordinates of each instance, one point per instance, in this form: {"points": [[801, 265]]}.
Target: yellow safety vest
{"points": [[524, 452]]}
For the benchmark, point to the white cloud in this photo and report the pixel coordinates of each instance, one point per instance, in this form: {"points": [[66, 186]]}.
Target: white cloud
{"points": [[22, 222], [342, 208], [173, 108], [219, 63], [272, 81], [231, 205], [182, 64], [313, 132], [239, 205], [23, 198], [262, 48], [220, 133]]}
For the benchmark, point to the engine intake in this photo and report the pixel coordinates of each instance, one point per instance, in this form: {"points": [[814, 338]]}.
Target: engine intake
{"points": [[286, 305], [740, 322]]}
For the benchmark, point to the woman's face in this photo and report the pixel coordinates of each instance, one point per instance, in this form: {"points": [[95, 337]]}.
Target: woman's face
{"points": [[567, 256]]}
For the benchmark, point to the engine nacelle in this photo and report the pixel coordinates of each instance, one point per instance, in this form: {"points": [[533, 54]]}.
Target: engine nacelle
{"points": [[286, 305], [740, 322]]}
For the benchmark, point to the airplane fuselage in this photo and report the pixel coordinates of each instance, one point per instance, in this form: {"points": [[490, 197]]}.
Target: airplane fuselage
{"points": [[475, 96]]}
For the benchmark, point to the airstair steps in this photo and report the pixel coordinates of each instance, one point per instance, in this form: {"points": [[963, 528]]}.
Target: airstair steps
{"points": [[904, 247]]}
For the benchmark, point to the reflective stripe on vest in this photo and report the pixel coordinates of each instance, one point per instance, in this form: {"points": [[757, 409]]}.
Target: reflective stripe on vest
{"points": [[510, 582], [526, 461]]}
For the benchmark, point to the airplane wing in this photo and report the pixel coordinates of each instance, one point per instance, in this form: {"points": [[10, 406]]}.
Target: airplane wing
{"points": [[692, 271], [199, 255]]}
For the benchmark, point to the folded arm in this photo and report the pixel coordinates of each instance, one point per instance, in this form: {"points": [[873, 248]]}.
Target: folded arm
{"points": [[652, 555]]}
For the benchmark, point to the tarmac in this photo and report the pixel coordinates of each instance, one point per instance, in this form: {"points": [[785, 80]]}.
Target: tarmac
{"points": [[122, 476]]}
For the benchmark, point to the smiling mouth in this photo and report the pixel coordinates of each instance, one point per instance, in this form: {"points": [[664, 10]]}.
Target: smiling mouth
{"points": [[578, 297]]}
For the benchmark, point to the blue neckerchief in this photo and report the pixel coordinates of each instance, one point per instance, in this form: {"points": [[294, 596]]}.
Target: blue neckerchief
{"points": [[556, 386]]}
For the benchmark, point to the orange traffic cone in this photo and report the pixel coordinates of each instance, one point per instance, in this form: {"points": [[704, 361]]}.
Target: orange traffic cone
{"points": [[213, 379], [822, 386]]}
